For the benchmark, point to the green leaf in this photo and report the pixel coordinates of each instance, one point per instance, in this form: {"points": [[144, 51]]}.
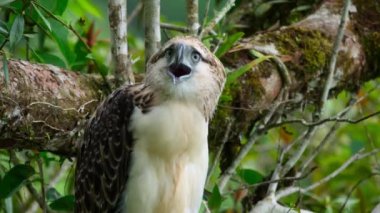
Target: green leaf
{"points": [[262, 9], [90, 8], [52, 194], [231, 40], [14, 179], [5, 70], [8, 205], [234, 75], [250, 176], [65, 203], [48, 58], [17, 30], [45, 22], [5, 2], [60, 34], [60, 7], [3, 30], [101, 67], [215, 200]]}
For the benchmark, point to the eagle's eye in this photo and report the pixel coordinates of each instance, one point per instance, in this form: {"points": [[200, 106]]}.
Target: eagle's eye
{"points": [[195, 56], [169, 53]]}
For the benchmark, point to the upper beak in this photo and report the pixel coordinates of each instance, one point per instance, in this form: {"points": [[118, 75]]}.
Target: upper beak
{"points": [[179, 68]]}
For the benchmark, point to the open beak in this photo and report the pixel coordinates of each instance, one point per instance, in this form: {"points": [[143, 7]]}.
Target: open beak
{"points": [[179, 68]]}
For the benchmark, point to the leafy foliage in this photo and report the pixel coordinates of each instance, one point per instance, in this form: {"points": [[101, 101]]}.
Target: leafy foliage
{"points": [[74, 35], [14, 179]]}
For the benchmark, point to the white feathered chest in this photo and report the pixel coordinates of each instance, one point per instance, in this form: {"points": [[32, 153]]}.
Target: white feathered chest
{"points": [[170, 158]]}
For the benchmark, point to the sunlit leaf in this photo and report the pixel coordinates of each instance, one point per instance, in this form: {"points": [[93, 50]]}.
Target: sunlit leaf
{"points": [[231, 40], [215, 200], [14, 179], [90, 8], [302, 8], [3, 30], [48, 58], [65, 203], [250, 176], [8, 205], [262, 9], [17, 30], [60, 34], [5, 2], [42, 17], [60, 7], [234, 75]]}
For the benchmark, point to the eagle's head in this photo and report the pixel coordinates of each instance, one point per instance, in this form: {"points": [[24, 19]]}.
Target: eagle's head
{"points": [[186, 70]]}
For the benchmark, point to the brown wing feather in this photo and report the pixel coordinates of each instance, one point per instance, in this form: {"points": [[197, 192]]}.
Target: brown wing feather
{"points": [[103, 158]]}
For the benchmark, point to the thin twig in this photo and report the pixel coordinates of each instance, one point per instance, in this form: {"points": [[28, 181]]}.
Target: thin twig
{"points": [[79, 110], [42, 179], [221, 14], [322, 121], [358, 156], [219, 152], [275, 181], [335, 51], [351, 103], [354, 187], [318, 149], [3, 44], [48, 125], [207, 209], [135, 12], [15, 160], [208, 3], [152, 27], [174, 27], [192, 16], [254, 134], [235, 163], [35, 195], [297, 155]]}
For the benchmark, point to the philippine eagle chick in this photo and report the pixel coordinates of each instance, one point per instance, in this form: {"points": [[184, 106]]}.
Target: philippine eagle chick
{"points": [[145, 150]]}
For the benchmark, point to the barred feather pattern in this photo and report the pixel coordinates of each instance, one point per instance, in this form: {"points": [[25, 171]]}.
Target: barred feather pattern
{"points": [[103, 159]]}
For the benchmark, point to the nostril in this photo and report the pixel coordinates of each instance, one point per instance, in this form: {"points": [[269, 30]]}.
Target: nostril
{"points": [[179, 70]]}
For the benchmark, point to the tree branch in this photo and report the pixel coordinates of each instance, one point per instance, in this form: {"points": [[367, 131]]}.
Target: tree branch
{"points": [[118, 26], [192, 16], [152, 27], [221, 14], [174, 27], [358, 156], [334, 56]]}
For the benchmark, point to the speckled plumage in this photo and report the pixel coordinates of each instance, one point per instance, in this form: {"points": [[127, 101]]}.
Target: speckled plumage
{"points": [[146, 140]]}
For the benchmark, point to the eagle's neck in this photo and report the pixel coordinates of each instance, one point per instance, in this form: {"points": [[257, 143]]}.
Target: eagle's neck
{"points": [[147, 97]]}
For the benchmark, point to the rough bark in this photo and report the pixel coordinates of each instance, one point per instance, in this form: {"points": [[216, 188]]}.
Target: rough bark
{"points": [[192, 16], [118, 28], [152, 27], [42, 107], [45, 107]]}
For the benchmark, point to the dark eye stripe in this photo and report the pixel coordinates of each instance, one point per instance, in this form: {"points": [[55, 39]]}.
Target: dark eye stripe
{"points": [[157, 57]]}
